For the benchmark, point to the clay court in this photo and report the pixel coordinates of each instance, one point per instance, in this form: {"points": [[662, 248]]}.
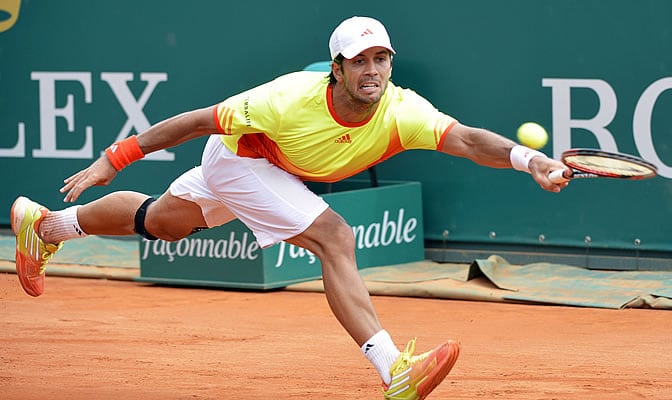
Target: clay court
{"points": [[109, 339]]}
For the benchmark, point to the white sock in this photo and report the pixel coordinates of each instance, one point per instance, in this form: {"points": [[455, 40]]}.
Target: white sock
{"points": [[381, 351], [62, 225]]}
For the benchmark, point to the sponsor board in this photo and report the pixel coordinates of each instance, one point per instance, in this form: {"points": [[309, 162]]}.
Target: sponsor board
{"points": [[386, 221]]}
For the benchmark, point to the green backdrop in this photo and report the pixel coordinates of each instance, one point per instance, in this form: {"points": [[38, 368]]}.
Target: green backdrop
{"points": [[76, 74]]}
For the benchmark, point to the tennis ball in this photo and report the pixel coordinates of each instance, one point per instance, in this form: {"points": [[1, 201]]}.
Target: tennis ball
{"points": [[532, 135]]}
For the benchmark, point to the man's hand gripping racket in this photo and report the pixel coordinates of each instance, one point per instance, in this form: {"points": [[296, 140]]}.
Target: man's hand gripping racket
{"points": [[592, 163]]}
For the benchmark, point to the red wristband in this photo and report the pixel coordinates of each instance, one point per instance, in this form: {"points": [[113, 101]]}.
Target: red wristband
{"points": [[123, 153]]}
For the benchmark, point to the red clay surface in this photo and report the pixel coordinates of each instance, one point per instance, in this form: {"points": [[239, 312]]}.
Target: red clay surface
{"points": [[100, 339]]}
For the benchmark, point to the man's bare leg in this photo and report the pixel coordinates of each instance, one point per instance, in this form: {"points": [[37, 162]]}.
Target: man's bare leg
{"points": [[169, 217], [332, 241]]}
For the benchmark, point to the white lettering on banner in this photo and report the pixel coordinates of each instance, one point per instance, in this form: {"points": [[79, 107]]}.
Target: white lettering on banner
{"points": [[562, 121], [232, 249], [294, 253], [641, 120], [137, 121], [641, 124], [385, 233], [388, 232], [376, 234], [49, 112], [133, 109], [19, 150]]}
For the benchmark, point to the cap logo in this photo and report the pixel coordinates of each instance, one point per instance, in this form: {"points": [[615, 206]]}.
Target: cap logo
{"points": [[367, 32]]}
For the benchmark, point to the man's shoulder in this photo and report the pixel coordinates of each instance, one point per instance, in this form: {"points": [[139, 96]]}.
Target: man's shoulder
{"points": [[407, 99], [297, 87], [404, 93], [303, 78]]}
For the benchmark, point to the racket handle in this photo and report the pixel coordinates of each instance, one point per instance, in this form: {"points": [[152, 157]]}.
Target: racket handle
{"points": [[557, 176]]}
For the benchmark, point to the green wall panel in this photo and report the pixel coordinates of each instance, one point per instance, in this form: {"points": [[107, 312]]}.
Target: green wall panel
{"points": [[71, 73]]}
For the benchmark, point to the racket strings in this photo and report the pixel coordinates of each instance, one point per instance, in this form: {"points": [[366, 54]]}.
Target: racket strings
{"points": [[609, 166]]}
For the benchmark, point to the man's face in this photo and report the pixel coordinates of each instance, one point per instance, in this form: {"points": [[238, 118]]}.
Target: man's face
{"points": [[366, 75]]}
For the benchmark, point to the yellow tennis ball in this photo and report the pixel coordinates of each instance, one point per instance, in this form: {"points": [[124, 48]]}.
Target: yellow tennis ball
{"points": [[532, 135]]}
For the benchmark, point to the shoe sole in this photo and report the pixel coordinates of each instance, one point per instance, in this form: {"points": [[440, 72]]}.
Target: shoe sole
{"points": [[439, 374]]}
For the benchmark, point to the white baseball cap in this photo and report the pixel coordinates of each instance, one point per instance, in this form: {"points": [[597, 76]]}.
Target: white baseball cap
{"points": [[357, 34]]}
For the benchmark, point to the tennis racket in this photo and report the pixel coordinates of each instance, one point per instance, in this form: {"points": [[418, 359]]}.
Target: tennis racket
{"points": [[592, 163]]}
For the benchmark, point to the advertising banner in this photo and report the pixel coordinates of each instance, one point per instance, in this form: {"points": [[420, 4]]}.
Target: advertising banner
{"points": [[386, 221]]}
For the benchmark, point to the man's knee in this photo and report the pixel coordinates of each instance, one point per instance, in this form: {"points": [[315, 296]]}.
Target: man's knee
{"points": [[330, 234], [168, 220], [139, 221]]}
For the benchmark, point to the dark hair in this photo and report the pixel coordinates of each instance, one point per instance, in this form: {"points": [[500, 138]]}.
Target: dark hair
{"points": [[338, 60]]}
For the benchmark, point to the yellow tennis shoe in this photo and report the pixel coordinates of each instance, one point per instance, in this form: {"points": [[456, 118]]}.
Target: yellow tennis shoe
{"points": [[32, 253], [414, 377]]}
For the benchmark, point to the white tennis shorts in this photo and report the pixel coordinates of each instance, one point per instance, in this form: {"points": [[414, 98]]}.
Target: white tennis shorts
{"points": [[274, 204]]}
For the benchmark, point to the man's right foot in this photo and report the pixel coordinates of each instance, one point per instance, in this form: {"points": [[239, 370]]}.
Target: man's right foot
{"points": [[32, 253], [414, 377]]}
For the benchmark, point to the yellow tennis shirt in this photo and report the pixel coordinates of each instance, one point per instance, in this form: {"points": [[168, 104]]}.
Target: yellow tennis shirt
{"points": [[291, 122]]}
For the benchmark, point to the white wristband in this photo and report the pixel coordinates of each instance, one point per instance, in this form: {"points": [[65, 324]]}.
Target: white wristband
{"points": [[520, 157]]}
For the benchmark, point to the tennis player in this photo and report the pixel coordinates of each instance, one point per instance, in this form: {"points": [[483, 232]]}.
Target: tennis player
{"points": [[264, 143]]}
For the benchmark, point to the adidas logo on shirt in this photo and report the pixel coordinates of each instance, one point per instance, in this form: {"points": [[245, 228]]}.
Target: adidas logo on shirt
{"points": [[344, 139]]}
